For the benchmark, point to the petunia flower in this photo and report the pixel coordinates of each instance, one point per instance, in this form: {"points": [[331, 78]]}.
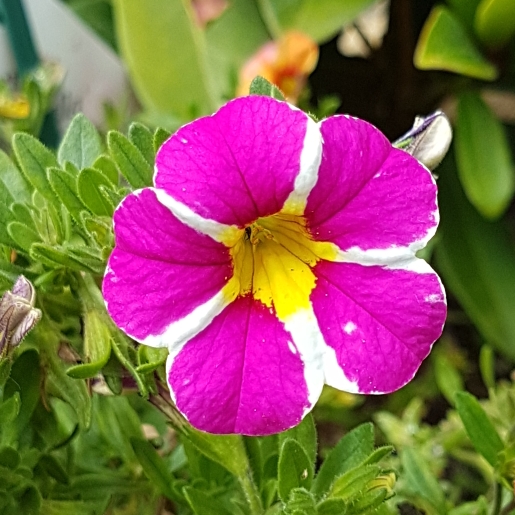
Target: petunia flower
{"points": [[274, 255], [286, 62]]}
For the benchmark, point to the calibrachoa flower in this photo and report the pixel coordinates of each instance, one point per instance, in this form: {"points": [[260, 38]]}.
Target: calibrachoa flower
{"points": [[274, 255]]}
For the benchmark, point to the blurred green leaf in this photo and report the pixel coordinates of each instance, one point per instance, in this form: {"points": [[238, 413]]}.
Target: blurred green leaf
{"points": [[448, 379], [421, 481], [81, 144], [320, 19], [154, 466], [477, 261], [495, 22], [487, 366], [14, 180], [483, 157], [89, 187], [10, 408], [480, 429], [350, 451], [445, 45], [204, 504], [260, 86], [130, 160], [34, 158], [295, 469], [465, 10], [178, 84], [57, 507]]}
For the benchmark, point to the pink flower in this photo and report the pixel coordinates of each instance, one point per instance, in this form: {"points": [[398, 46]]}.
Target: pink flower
{"points": [[274, 255]]}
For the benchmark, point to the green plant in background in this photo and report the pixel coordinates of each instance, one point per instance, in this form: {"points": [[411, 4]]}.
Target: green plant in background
{"points": [[67, 447]]}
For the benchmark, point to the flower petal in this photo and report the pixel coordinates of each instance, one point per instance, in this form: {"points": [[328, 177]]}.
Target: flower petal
{"points": [[379, 324], [369, 195], [161, 271], [240, 163], [242, 374]]}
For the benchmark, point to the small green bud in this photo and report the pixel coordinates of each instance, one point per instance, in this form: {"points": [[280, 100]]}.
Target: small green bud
{"points": [[17, 313], [428, 140]]}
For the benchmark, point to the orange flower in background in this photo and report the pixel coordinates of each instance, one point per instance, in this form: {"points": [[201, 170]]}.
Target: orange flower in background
{"points": [[286, 63]]}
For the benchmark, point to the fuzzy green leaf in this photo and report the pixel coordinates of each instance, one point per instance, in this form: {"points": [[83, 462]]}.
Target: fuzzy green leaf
{"points": [[81, 144], [107, 166], [295, 469], [130, 160], [143, 139], [64, 185], [260, 86], [89, 188], [203, 504], [23, 235], [305, 435]]}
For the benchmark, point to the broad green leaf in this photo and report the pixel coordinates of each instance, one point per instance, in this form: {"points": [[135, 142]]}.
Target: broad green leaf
{"points": [[320, 19], [295, 469], [89, 188], [421, 481], [305, 435], [203, 504], [154, 466], [143, 139], [350, 451], [34, 158], [23, 235], [260, 86], [480, 429], [485, 167], [64, 185], [166, 55], [477, 261], [97, 346], [107, 166], [81, 144], [445, 45], [495, 22], [131, 163], [14, 180]]}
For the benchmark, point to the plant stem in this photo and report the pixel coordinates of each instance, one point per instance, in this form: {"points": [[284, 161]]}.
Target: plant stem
{"points": [[252, 495], [496, 508]]}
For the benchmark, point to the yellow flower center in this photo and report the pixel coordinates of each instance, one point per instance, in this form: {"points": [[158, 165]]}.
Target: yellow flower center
{"points": [[273, 260]]}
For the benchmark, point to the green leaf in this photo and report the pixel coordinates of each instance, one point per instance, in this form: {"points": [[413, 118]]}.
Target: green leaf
{"points": [[34, 158], [353, 483], [64, 185], [89, 188], [107, 166], [487, 366], [477, 261], [53, 468], [301, 502], [350, 451], [14, 181], [150, 358], [130, 160], [81, 144], [226, 450], [163, 36], [260, 86], [334, 506], [448, 379], [160, 136], [154, 467], [485, 167], [305, 435], [295, 469], [9, 457], [23, 215], [320, 19], [495, 22], [10, 408], [80, 259], [480, 429], [97, 346], [445, 45], [465, 11], [204, 504], [23, 235], [53, 507], [143, 139], [420, 480]]}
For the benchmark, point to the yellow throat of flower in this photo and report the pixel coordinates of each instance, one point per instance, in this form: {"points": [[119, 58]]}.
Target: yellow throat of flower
{"points": [[273, 261]]}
